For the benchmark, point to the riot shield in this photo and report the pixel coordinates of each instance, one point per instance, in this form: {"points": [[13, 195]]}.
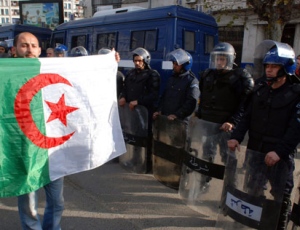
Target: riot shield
{"points": [[252, 195], [168, 149], [294, 223], [134, 125], [203, 167]]}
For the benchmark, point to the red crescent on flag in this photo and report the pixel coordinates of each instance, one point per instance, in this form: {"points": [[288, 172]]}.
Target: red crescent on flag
{"points": [[23, 113]]}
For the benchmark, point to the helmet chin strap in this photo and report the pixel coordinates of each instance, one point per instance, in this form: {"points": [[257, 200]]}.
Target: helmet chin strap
{"points": [[271, 80]]}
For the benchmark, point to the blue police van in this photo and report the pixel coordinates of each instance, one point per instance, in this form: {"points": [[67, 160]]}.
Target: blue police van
{"points": [[159, 30], [8, 32]]}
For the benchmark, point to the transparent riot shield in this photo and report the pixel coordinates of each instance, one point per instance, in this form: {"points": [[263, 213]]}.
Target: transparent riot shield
{"points": [[134, 125], [294, 223], [203, 167], [168, 150], [252, 195]]}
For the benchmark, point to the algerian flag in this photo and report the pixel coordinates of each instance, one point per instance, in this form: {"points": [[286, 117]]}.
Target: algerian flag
{"points": [[59, 116]]}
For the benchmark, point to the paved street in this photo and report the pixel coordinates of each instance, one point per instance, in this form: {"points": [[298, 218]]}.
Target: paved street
{"points": [[110, 198]]}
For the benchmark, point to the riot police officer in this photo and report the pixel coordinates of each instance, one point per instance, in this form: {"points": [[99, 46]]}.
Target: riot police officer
{"points": [[272, 121], [141, 87], [78, 51], [60, 51], [223, 93], [179, 99]]}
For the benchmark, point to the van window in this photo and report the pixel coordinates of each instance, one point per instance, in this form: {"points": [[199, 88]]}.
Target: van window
{"points": [[144, 38], [189, 40], [209, 43], [3, 38], [107, 40], [58, 38], [79, 40]]}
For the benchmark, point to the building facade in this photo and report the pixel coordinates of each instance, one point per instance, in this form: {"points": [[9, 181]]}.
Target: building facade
{"points": [[10, 12]]}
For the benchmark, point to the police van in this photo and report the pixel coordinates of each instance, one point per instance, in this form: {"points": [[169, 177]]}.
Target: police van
{"points": [[159, 30], [9, 31]]}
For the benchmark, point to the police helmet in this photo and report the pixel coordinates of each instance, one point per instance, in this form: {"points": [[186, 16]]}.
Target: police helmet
{"points": [[220, 51], [283, 56], [104, 51], [60, 49], [4, 45], [181, 57], [144, 54], [78, 51], [188, 65]]}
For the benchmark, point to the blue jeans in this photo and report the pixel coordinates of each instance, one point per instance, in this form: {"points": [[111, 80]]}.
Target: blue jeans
{"points": [[28, 205]]}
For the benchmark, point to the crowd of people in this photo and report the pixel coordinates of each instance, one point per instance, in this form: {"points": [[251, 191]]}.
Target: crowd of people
{"points": [[267, 108]]}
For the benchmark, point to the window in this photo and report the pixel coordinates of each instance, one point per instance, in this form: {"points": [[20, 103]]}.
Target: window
{"points": [[209, 43], [144, 38], [189, 41], [79, 40], [6, 11], [108, 40]]}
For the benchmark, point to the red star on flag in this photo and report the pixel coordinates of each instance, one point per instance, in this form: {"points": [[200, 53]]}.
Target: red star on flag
{"points": [[60, 110]]}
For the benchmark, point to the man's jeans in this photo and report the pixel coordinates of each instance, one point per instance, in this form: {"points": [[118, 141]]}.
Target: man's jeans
{"points": [[28, 208]]}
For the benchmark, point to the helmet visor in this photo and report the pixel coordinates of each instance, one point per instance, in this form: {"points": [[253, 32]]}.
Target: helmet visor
{"points": [[221, 60], [179, 56]]}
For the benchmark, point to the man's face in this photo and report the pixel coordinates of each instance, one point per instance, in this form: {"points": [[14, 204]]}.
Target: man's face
{"points": [[138, 62], [176, 68], [221, 62], [2, 50], [27, 46], [272, 70], [50, 53]]}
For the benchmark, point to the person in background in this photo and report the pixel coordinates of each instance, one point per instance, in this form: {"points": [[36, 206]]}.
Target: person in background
{"points": [[272, 120], [179, 99], [141, 87], [26, 45], [224, 91], [3, 49], [50, 52], [61, 51], [78, 51]]}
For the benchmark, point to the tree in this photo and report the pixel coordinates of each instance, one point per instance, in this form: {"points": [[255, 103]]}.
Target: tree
{"points": [[275, 12]]}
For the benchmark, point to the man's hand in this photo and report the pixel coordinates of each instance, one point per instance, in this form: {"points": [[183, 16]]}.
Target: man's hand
{"points": [[172, 117], [155, 115], [227, 127], [122, 101], [233, 144], [271, 158], [132, 104]]}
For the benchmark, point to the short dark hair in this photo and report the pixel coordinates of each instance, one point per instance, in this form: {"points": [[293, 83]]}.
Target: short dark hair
{"points": [[298, 57], [16, 38]]}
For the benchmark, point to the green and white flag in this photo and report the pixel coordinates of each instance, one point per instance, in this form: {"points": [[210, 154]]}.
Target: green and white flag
{"points": [[59, 116]]}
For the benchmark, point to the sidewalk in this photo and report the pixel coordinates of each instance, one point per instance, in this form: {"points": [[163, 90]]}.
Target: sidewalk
{"points": [[111, 198]]}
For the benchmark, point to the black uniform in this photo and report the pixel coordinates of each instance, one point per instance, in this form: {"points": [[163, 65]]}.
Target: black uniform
{"points": [[180, 96], [143, 86], [223, 96]]}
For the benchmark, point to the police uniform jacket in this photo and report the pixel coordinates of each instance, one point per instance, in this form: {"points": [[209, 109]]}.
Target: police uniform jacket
{"points": [[273, 119], [223, 95], [143, 86], [180, 96]]}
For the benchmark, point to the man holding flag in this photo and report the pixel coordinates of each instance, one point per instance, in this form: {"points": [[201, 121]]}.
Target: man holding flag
{"points": [[54, 123]]}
